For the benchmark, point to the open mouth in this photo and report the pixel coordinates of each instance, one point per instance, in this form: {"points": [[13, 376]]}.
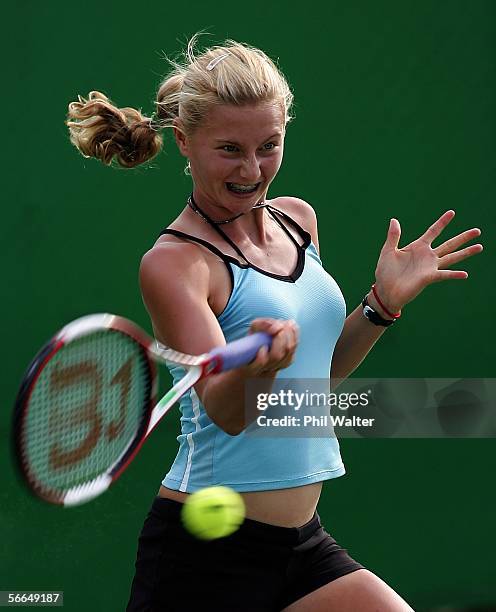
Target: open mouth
{"points": [[238, 188]]}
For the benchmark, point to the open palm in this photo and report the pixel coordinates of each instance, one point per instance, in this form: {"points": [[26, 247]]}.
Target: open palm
{"points": [[402, 273]]}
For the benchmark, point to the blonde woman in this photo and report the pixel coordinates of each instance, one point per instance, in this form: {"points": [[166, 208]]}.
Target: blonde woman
{"points": [[234, 262]]}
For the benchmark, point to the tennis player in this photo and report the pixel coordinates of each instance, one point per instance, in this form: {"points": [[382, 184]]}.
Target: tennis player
{"points": [[235, 262]]}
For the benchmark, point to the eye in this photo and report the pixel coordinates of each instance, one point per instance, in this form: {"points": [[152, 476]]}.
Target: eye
{"points": [[230, 148]]}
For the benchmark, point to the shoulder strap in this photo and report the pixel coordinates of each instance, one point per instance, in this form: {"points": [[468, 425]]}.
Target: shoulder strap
{"points": [[206, 244], [228, 240], [307, 238], [216, 227]]}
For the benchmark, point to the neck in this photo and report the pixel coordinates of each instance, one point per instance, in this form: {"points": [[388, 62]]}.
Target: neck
{"points": [[250, 225], [202, 213]]}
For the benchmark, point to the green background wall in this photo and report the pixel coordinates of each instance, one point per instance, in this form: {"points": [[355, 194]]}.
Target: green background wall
{"points": [[395, 116]]}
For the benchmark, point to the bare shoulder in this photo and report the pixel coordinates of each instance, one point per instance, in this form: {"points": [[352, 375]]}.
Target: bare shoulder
{"points": [[296, 207], [170, 262], [301, 211]]}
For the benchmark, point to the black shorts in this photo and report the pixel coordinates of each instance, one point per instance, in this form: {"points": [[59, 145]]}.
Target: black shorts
{"points": [[259, 568]]}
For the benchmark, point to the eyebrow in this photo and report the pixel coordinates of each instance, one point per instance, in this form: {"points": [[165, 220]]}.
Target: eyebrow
{"points": [[237, 143]]}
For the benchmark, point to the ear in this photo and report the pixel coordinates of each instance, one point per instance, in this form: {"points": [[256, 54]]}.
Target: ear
{"points": [[181, 138]]}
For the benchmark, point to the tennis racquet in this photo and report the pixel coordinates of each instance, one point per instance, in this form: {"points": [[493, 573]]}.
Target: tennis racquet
{"points": [[88, 401]]}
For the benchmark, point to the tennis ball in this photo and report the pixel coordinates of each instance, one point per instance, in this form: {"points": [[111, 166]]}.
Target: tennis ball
{"points": [[213, 512]]}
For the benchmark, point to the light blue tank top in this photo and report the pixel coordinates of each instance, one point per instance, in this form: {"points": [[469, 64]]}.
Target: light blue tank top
{"points": [[208, 456]]}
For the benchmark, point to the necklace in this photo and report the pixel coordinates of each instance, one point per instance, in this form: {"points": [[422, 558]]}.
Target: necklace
{"points": [[194, 208]]}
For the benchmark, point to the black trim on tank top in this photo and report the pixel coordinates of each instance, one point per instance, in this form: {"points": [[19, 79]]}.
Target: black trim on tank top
{"points": [[306, 237], [291, 278], [225, 258]]}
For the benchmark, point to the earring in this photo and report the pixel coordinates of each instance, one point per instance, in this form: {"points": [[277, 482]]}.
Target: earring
{"points": [[187, 169]]}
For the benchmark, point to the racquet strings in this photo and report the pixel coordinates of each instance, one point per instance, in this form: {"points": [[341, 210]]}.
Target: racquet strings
{"points": [[85, 409]]}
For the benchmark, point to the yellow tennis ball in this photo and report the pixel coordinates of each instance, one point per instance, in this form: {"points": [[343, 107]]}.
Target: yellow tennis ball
{"points": [[213, 512]]}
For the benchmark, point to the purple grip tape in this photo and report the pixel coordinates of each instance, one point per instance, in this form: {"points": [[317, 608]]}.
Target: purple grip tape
{"points": [[242, 351]]}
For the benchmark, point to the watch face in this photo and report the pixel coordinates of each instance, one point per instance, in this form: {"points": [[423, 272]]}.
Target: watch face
{"points": [[367, 310], [374, 317]]}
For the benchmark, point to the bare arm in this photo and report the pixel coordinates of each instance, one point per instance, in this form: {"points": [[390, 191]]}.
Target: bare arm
{"points": [[175, 281], [355, 342], [401, 274]]}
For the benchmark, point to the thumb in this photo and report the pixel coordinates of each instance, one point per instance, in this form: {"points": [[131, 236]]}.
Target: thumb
{"points": [[394, 234]]}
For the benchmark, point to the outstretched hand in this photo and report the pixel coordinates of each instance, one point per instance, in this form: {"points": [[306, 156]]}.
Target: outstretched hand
{"points": [[402, 273]]}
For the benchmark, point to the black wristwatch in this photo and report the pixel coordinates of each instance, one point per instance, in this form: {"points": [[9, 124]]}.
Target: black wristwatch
{"points": [[373, 316]]}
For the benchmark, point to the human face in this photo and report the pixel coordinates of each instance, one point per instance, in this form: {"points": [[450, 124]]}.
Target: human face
{"points": [[235, 146]]}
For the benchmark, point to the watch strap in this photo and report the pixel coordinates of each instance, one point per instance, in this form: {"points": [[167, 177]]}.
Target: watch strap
{"points": [[373, 316]]}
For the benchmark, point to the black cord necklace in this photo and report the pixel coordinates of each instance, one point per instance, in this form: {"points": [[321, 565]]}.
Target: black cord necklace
{"points": [[194, 207]]}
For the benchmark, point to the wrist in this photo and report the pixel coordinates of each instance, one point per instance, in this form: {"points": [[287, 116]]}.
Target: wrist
{"points": [[373, 313], [377, 307], [379, 298], [249, 371]]}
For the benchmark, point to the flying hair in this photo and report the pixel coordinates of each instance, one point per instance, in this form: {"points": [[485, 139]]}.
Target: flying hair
{"points": [[232, 73]]}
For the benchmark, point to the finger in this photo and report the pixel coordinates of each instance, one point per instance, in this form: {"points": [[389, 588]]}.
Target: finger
{"points": [[394, 234], [283, 349], [295, 331], [289, 343], [452, 258], [262, 356], [287, 327], [271, 326], [443, 275], [284, 341], [455, 242], [437, 227], [281, 344], [266, 324], [275, 327], [260, 361]]}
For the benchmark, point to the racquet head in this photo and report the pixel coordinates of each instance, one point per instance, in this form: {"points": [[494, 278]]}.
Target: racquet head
{"points": [[83, 407]]}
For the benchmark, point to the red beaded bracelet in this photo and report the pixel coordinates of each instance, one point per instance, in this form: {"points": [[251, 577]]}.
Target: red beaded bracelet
{"points": [[396, 315]]}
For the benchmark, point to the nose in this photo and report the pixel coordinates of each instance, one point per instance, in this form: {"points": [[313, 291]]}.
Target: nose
{"points": [[250, 169]]}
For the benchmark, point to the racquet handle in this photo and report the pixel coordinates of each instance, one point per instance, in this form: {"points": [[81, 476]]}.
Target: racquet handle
{"points": [[242, 351]]}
